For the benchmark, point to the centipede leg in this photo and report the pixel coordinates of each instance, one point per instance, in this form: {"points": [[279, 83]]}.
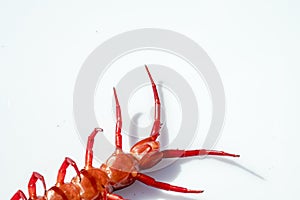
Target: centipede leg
{"points": [[63, 170], [157, 123], [164, 186], [89, 148], [32, 184], [19, 195], [118, 123], [114, 197], [199, 152]]}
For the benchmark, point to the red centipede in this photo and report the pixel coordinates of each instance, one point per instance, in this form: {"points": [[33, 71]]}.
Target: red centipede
{"points": [[120, 170]]}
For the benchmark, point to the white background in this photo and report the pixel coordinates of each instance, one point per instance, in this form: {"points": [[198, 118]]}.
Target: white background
{"points": [[255, 47]]}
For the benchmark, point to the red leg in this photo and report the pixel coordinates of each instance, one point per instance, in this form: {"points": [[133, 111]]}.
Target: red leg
{"points": [[63, 170], [165, 186], [114, 197], [19, 195], [89, 148], [32, 184], [200, 152], [156, 125], [118, 123]]}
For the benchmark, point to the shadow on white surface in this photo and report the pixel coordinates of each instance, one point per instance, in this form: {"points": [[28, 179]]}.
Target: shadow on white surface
{"points": [[236, 164]]}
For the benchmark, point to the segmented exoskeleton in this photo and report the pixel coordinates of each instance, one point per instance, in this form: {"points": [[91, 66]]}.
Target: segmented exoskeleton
{"points": [[120, 170]]}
